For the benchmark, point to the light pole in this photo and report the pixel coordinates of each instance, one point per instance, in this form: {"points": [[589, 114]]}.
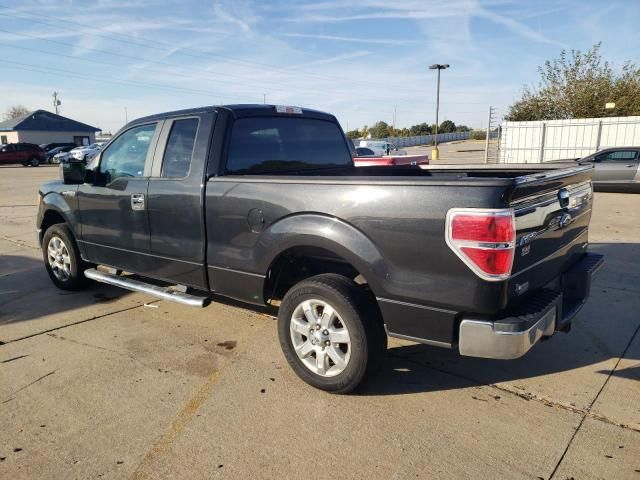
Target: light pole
{"points": [[437, 66]]}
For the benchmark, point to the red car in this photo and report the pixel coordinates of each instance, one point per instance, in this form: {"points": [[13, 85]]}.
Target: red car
{"points": [[24, 153]]}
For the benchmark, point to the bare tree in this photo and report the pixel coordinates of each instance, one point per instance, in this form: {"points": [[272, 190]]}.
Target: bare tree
{"points": [[16, 111]]}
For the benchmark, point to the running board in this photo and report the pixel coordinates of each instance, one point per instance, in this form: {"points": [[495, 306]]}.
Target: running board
{"points": [[166, 293]]}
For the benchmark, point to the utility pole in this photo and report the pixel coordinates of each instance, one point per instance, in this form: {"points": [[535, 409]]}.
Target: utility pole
{"points": [[436, 66], [486, 144], [394, 116], [56, 102]]}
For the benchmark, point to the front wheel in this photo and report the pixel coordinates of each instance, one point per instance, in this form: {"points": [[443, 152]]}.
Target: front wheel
{"points": [[34, 162], [62, 258], [331, 332]]}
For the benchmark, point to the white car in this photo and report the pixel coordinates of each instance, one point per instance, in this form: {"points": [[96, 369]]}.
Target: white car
{"points": [[381, 147], [86, 153], [62, 156]]}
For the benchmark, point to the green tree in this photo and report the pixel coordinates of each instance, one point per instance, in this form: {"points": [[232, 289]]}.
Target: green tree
{"points": [[579, 85], [353, 134], [447, 127], [380, 130], [420, 129], [462, 128], [16, 111]]}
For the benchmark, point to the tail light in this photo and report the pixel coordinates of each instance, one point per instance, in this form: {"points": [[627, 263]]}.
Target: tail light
{"points": [[484, 239]]}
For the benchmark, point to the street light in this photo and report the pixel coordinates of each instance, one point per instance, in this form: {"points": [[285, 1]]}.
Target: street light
{"points": [[437, 66]]}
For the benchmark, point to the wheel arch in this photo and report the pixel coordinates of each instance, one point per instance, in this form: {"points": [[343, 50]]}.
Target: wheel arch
{"points": [[53, 210], [305, 245]]}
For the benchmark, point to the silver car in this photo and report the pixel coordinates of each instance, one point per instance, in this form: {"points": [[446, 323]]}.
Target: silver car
{"points": [[616, 168]]}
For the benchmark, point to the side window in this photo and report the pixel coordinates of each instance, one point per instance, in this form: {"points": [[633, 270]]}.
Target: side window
{"points": [[126, 156], [177, 154], [621, 155]]}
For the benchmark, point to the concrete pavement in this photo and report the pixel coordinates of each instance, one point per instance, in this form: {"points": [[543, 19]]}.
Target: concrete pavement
{"points": [[111, 384]]}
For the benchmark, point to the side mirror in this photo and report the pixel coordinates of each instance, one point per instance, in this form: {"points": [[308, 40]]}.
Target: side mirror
{"points": [[73, 172]]}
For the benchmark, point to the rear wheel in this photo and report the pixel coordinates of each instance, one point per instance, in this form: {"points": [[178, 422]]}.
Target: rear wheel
{"points": [[34, 161], [331, 332], [62, 258]]}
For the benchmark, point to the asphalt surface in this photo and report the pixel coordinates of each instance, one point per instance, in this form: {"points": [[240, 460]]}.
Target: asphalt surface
{"points": [[110, 384]]}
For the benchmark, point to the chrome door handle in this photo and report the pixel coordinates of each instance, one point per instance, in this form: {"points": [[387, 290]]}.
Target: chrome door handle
{"points": [[137, 201]]}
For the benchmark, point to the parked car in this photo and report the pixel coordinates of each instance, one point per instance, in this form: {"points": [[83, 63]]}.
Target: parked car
{"points": [[23, 153], [263, 204], [56, 150], [381, 147], [61, 157], [365, 152], [86, 153], [47, 147], [616, 168]]}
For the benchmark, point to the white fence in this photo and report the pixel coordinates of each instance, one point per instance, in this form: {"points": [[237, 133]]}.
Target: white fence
{"points": [[420, 139], [544, 141]]}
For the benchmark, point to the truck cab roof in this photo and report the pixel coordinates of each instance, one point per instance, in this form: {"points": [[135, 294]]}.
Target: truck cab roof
{"points": [[237, 111]]}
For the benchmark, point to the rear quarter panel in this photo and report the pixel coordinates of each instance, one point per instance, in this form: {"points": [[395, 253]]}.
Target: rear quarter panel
{"points": [[393, 233]]}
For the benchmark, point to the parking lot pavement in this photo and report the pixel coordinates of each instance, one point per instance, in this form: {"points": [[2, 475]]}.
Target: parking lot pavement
{"points": [[111, 384], [458, 152]]}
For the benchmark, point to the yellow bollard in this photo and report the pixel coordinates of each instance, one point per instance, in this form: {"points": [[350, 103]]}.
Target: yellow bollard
{"points": [[435, 154]]}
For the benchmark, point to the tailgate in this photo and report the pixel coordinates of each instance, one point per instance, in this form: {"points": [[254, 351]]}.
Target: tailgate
{"points": [[552, 211]]}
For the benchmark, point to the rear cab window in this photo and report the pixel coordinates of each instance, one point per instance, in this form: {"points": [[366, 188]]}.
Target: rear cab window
{"points": [[271, 144], [179, 150]]}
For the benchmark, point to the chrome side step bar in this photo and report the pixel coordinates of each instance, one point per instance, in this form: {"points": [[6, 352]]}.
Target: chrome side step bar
{"points": [[166, 293]]}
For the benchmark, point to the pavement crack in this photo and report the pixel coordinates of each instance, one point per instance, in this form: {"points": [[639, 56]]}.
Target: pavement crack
{"points": [[588, 409], [20, 243], [12, 396], [104, 349], [531, 396], [97, 317], [14, 358]]}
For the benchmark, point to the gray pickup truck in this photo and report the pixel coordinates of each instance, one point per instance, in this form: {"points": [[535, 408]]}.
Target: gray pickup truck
{"points": [[264, 204]]}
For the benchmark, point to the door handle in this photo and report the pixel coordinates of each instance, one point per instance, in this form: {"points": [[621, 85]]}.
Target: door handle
{"points": [[137, 201], [630, 166]]}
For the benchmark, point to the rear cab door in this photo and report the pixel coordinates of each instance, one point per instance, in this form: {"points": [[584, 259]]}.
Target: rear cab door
{"points": [[175, 200]]}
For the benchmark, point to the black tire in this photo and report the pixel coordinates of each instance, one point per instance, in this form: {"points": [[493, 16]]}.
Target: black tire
{"points": [[74, 279], [34, 162], [358, 313]]}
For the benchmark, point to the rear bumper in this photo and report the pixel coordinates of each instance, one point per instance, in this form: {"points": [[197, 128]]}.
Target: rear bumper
{"points": [[549, 310]]}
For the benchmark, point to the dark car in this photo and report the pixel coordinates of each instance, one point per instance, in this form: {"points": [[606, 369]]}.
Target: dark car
{"points": [[264, 204], [365, 152], [54, 151], [24, 153], [50, 146], [616, 168]]}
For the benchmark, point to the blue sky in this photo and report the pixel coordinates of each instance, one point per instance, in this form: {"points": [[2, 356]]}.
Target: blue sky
{"points": [[357, 59]]}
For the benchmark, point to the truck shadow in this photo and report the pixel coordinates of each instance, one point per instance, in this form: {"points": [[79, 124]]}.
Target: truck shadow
{"points": [[607, 328], [27, 293]]}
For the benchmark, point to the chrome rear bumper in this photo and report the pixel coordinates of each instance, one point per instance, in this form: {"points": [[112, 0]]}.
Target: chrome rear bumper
{"points": [[547, 311]]}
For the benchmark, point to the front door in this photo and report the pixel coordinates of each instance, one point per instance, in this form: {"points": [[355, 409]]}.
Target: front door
{"points": [[615, 166], [113, 211]]}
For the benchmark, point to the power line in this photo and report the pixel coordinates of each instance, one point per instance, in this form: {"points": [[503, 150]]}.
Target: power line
{"points": [[153, 44], [132, 57]]}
